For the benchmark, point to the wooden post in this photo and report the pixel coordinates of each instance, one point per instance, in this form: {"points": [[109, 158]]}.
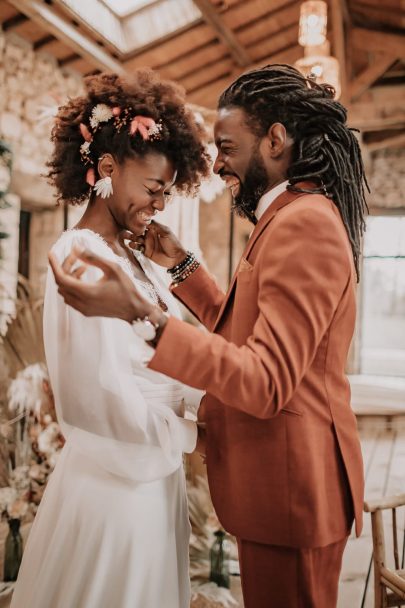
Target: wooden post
{"points": [[339, 45]]}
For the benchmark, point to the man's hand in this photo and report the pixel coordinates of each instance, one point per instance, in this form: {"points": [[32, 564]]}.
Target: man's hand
{"points": [[113, 295], [159, 244]]}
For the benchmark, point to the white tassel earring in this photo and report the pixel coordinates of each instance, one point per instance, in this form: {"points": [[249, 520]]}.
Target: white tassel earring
{"points": [[103, 187]]}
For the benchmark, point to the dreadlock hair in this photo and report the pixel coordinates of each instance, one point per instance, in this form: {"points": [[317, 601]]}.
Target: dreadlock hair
{"points": [[325, 150]]}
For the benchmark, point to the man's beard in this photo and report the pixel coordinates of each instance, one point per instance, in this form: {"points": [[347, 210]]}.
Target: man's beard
{"points": [[254, 186]]}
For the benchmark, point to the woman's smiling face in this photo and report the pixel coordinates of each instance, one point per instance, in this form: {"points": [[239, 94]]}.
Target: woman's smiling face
{"points": [[140, 188]]}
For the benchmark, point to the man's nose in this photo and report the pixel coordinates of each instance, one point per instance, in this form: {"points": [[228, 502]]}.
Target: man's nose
{"points": [[218, 164]]}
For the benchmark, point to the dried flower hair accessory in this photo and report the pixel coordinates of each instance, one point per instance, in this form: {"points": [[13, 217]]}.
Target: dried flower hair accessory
{"points": [[91, 176], [100, 113], [147, 127], [85, 147]]}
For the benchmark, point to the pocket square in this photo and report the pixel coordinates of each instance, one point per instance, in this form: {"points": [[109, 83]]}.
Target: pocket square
{"points": [[244, 265]]}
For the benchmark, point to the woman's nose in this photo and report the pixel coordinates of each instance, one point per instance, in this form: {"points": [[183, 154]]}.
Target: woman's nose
{"points": [[159, 202]]}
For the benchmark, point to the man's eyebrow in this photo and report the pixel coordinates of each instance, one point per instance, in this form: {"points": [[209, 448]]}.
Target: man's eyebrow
{"points": [[223, 140]]}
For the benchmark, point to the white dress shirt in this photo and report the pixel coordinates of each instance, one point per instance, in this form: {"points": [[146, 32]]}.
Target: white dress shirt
{"points": [[267, 198]]}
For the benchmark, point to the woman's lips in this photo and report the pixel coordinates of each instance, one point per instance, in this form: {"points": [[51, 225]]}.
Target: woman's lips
{"points": [[144, 217]]}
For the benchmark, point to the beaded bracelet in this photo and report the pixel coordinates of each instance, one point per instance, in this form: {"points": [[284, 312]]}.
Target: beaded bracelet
{"points": [[187, 260], [188, 271], [177, 272]]}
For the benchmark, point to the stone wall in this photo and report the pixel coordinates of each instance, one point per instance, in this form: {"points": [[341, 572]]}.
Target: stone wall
{"points": [[10, 221], [32, 86], [387, 178]]}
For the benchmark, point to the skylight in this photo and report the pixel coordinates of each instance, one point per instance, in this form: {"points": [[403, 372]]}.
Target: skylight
{"points": [[122, 8]]}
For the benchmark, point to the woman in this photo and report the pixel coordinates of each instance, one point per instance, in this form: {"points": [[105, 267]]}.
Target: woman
{"points": [[112, 530]]}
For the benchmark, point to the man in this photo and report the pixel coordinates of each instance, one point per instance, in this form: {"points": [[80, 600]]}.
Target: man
{"points": [[283, 456]]}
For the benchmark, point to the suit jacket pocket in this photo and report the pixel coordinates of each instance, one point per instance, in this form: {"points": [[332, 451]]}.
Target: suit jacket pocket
{"points": [[244, 276]]}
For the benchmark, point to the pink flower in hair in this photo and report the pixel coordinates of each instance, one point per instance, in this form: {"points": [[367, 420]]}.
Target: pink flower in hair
{"points": [[145, 125], [116, 111]]}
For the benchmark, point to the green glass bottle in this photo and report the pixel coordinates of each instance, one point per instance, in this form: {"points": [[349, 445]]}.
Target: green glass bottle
{"points": [[13, 551], [219, 557]]}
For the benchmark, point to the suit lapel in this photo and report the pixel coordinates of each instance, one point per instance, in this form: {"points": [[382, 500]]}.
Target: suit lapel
{"points": [[285, 198]]}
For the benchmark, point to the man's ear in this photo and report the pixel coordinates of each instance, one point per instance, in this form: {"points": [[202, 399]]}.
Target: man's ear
{"points": [[276, 139], [106, 165]]}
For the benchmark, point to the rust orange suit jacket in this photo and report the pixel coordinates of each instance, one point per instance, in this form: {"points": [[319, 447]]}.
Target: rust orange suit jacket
{"points": [[283, 455]]}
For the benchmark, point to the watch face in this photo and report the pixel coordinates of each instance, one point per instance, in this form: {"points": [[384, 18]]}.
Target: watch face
{"points": [[144, 329]]}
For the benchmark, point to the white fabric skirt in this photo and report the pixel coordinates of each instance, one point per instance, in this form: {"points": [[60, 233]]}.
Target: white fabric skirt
{"points": [[100, 541]]}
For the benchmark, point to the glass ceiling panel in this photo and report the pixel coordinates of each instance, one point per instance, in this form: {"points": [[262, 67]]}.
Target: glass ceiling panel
{"points": [[125, 7]]}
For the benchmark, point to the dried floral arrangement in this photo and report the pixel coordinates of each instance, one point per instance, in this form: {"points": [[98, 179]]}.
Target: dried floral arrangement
{"points": [[204, 524], [30, 439], [34, 440]]}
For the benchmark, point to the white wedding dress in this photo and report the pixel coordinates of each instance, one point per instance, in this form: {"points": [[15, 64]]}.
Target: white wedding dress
{"points": [[112, 530]]}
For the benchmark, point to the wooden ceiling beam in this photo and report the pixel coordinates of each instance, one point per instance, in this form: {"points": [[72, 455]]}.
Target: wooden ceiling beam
{"points": [[374, 40], [225, 66], [208, 95], [244, 15], [389, 4], [224, 33], [381, 112], [69, 59], [388, 142], [368, 76], [256, 37], [379, 16], [39, 44], [45, 17], [13, 22]]}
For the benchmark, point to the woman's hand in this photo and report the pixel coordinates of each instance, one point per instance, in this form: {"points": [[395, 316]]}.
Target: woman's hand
{"points": [[158, 244]]}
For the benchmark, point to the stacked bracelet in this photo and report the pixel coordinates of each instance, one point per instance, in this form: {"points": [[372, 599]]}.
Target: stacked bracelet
{"points": [[183, 270], [176, 269]]}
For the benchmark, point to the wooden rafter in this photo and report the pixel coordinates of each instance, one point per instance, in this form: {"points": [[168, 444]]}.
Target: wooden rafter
{"points": [[13, 22], [374, 40], [225, 34], [377, 16], [368, 76], [208, 95], [388, 142], [384, 111], [44, 16], [39, 44]]}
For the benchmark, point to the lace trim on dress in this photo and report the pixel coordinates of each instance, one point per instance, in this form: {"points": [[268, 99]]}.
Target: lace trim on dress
{"points": [[150, 289]]}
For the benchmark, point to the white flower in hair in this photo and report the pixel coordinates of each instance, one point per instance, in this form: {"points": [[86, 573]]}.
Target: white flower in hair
{"points": [[100, 113], [85, 147], [155, 132]]}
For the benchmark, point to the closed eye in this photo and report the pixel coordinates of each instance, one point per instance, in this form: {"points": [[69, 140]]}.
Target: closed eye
{"points": [[227, 151]]}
